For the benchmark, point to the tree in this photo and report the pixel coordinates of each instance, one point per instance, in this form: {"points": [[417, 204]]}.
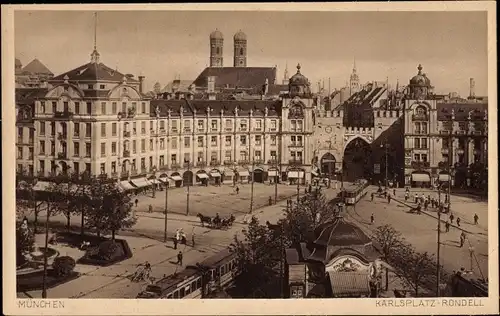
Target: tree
{"points": [[256, 257], [302, 218], [26, 196], [389, 241], [109, 208]]}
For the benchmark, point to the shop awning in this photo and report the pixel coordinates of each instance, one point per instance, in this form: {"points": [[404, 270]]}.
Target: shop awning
{"points": [[154, 181], [272, 173], [202, 175], [295, 174], [140, 182], [349, 283], [126, 185], [176, 178], [420, 177], [42, 186], [228, 173], [444, 177], [215, 174], [243, 173]]}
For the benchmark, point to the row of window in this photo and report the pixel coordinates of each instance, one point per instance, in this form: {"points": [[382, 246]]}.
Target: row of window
{"points": [[75, 168], [65, 106], [64, 129], [64, 149]]}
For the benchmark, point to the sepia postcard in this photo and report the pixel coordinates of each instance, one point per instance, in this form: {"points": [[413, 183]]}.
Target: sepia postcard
{"points": [[250, 159]]}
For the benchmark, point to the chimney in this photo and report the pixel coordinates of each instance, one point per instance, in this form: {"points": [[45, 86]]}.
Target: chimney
{"points": [[141, 84], [472, 88]]}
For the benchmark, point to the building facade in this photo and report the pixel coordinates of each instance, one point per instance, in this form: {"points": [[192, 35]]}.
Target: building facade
{"points": [[444, 141]]}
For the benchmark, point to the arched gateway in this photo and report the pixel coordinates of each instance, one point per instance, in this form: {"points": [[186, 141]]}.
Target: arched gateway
{"points": [[358, 162]]}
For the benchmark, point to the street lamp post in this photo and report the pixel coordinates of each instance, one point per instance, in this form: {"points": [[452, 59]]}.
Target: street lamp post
{"points": [[471, 254], [45, 257], [166, 211], [438, 267], [188, 188], [386, 146], [153, 169], [157, 111], [251, 187], [276, 184]]}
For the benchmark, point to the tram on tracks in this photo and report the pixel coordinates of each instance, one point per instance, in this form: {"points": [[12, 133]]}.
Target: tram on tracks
{"points": [[196, 281], [354, 192]]}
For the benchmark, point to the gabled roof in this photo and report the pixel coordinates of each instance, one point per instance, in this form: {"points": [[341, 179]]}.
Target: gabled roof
{"points": [[93, 71], [241, 77], [36, 67], [181, 85]]}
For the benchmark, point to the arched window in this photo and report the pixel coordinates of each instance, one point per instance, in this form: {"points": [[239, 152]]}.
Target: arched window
{"points": [[218, 50], [421, 110], [241, 51]]}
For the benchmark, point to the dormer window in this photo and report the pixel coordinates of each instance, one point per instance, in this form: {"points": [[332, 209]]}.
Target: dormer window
{"points": [[65, 88], [91, 86], [103, 86]]}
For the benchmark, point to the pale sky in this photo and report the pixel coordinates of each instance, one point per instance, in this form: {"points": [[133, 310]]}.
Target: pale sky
{"points": [[451, 46]]}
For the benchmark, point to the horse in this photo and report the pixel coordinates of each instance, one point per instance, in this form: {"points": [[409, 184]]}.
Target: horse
{"points": [[204, 219]]}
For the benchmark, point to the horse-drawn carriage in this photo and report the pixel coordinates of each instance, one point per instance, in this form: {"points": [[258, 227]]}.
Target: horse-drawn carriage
{"points": [[216, 222]]}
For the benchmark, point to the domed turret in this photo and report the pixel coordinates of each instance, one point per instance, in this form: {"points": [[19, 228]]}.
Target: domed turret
{"points": [[216, 35], [420, 85], [299, 85], [240, 36]]}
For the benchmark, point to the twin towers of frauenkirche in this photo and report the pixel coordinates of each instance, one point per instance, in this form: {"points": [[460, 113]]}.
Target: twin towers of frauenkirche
{"points": [[217, 49]]}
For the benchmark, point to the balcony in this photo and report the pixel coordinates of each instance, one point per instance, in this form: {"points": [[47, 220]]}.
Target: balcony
{"points": [[445, 132], [187, 129], [126, 153], [62, 136], [244, 162], [228, 129], [174, 130], [201, 164], [476, 133], [419, 117], [162, 131], [124, 174], [164, 168], [420, 164], [295, 161], [126, 134], [175, 166], [114, 174], [229, 163], [62, 156], [63, 115], [296, 144], [272, 162], [258, 161], [214, 163], [461, 132]]}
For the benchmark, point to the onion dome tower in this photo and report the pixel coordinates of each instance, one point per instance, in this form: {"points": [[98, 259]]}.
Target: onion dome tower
{"points": [[299, 85], [216, 49], [240, 49]]}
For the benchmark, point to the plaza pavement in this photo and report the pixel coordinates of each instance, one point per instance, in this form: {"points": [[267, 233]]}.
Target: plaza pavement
{"points": [[112, 281], [421, 230]]}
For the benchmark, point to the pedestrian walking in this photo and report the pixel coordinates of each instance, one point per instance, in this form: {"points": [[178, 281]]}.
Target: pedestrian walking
{"points": [[394, 192], [447, 225], [462, 239], [136, 202], [451, 218], [237, 190], [416, 197], [458, 221], [150, 208], [179, 258], [372, 195], [388, 199], [407, 195], [192, 239], [372, 219], [476, 219], [175, 242]]}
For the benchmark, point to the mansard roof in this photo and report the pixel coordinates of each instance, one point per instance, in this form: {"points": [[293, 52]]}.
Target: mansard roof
{"points": [[93, 72], [237, 77]]}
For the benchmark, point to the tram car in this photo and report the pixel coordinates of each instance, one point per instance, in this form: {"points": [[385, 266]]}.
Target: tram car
{"points": [[354, 192], [196, 281]]}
